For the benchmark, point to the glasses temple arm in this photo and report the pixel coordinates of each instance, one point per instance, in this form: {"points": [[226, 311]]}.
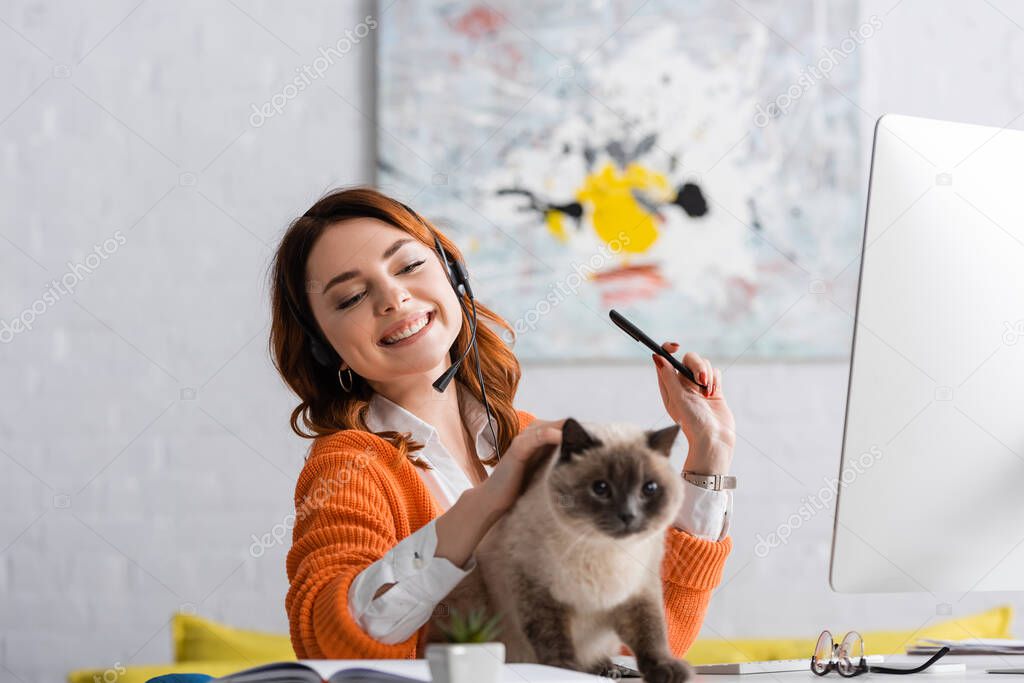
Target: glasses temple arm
{"points": [[931, 660]]}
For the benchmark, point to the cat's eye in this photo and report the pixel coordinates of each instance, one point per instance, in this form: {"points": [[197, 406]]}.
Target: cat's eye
{"points": [[649, 488], [600, 488]]}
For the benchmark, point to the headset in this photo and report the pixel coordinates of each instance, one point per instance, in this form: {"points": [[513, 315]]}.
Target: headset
{"points": [[458, 277]]}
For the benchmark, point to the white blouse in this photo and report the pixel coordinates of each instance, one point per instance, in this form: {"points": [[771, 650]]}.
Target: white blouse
{"points": [[422, 580]]}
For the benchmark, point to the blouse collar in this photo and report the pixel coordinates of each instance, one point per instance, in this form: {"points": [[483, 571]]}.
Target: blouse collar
{"points": [[384, 414]]}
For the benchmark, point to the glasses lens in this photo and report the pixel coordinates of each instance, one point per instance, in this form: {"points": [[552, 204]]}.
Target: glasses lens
{"points": [[850, 654], [822, 653]]}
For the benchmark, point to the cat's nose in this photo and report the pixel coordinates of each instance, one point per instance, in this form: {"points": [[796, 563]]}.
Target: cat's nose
{"points": [[627, 517]]}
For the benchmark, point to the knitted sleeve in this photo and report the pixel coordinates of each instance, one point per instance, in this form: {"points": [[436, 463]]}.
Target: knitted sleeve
{"points": [[690, 571], [343, 524]]}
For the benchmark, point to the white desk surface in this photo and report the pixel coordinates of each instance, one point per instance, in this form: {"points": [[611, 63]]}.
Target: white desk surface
{"points": [[976, 666], [536, 673], [418, 668]]}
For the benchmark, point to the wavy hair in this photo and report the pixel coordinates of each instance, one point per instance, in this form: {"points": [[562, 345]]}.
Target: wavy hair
{"points": [[325, 407]]}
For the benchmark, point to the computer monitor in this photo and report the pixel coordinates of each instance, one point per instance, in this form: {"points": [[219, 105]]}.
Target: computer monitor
{"points": [[931, 478]]}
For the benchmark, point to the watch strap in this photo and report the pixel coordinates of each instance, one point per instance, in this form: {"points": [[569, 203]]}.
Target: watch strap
{"points": [[713, 482]]}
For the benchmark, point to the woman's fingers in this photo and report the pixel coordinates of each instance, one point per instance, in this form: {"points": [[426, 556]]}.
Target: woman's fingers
{"points": [[698, 366], [691, 359], [718, 383], [703, 371], [545, 438], [661, 383], [546, 432], [538, 425], [549, 435]]}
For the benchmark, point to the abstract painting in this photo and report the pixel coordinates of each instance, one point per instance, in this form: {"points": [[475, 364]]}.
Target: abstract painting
{"points": [[694, 165]]}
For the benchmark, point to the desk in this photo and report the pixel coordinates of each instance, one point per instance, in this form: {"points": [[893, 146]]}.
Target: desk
{"points": [[536, 673], [976, 665]]}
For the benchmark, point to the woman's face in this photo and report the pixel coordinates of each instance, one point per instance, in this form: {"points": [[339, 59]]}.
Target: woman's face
{"points": [[368, 280]]}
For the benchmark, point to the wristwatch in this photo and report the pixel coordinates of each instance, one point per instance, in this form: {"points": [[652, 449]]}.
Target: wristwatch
{"points": [[714, 482]]}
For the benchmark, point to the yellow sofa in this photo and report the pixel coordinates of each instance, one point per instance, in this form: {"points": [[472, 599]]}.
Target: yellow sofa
{"points": [[205, 646]]}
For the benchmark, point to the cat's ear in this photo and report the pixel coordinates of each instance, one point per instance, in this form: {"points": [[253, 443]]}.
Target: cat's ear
{"points": [[661, 440], [575, 439]]}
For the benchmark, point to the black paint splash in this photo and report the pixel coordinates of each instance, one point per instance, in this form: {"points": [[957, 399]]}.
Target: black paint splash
{"points": [[691, 200], [573, 210]]}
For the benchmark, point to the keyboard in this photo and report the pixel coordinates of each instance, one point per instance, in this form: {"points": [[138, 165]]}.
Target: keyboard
{"points": [[768, 666], [626, 666]]}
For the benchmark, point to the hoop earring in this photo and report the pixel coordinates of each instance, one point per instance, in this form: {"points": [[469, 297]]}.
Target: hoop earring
{"points": [[350, 380]]}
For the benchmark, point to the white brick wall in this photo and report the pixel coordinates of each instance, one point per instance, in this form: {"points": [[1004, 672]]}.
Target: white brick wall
{"points": [[121, 501]]}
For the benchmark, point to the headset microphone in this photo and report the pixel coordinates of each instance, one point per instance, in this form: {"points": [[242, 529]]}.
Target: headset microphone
{"points": [[458, 276]]}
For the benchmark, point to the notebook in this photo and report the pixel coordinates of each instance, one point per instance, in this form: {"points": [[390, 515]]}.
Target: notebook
{"points": [[968, 646], [388, 671]]}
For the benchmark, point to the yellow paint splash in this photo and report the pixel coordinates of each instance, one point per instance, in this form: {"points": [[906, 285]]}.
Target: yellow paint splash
{"points": [[616, 214]]}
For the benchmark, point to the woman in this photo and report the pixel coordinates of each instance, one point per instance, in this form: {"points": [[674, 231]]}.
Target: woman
{"points": [[402, 481]]}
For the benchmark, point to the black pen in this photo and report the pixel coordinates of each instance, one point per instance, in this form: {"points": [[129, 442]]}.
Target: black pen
{"points": [[634, 332]]}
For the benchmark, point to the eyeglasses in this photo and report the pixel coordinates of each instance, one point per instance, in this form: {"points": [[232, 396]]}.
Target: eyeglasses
{"points": [[847, 657]]}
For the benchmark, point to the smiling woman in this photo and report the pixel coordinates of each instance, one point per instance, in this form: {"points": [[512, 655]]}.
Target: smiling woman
{"points": [[403, 479]]}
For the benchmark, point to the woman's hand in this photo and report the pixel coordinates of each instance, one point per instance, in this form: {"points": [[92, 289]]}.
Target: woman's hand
{"points": [[461, 528], [505, 481], [704, 417]]}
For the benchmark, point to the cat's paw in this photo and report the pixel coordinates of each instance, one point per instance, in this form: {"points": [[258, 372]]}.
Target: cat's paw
{"points": [[605, 668], [668, 670]]}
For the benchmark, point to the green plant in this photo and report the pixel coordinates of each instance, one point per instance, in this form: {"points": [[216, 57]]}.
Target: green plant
{"points": [[474, 627]]}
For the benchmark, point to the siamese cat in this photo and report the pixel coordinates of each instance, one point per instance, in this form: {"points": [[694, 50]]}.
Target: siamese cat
{"points": [[574, 566]]}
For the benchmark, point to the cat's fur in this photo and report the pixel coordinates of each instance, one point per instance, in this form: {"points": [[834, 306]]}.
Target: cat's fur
{"points": [[570, 578]]}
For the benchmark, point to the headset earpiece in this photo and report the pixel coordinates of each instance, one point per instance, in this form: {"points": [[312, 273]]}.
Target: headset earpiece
{"points": [[454, 269], [322, 353]]}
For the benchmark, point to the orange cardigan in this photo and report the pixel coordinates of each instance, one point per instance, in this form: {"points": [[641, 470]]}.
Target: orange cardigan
{"points": [[356, 498]]}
